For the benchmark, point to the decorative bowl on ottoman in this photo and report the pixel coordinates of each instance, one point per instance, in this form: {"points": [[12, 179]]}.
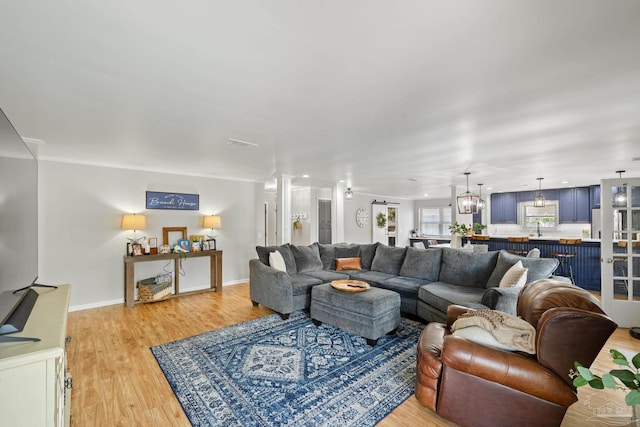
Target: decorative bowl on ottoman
{"points": [[370, 314]]}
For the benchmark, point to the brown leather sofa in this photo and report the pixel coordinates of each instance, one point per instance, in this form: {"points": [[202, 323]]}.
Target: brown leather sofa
{"points": [[476, 385]]}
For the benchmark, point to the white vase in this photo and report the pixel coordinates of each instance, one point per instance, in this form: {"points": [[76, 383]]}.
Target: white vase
{"points": [[456, 241]]}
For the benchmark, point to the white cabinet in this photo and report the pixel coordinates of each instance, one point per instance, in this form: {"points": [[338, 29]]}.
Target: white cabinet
{"points": [[384, 223], [33, 374]]}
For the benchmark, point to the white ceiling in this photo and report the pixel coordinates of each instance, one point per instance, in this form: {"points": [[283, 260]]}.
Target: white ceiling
{"points": [[398, 98]]}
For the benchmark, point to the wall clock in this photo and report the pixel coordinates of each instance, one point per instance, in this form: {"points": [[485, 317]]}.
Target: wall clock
{"points": [[362, 217]]}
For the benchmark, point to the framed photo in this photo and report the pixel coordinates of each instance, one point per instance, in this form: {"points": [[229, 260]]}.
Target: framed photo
{"points": [[205, 245], [153, 245], [165, 249], [196, 246], [185, 244], [137, 249], [171, 235], [212, 244]]}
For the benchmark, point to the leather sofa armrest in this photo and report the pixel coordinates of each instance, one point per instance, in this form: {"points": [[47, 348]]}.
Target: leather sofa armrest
{"points": [[428, 364], [453, 311], [512, 370]]}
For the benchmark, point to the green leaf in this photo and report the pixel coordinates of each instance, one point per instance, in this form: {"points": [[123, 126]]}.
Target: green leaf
{"points": [[632, 398], [625, 376], [579, 381], [636, 361], [616, 355], [596, 383], [586, 373], [621, 362], [609, 381]]}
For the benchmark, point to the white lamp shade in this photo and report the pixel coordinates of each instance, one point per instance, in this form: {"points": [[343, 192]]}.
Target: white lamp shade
{"points": [[133, 222], [212, 221]]}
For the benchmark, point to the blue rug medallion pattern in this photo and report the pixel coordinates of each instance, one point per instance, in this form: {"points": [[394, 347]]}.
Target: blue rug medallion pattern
{"points": [[270, 372]]}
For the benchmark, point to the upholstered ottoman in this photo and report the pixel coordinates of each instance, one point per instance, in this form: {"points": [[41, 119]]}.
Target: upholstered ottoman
{"points": [[370, 314]]}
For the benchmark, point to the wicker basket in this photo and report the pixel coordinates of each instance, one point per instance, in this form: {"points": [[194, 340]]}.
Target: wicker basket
{"points": [[156, 288]]}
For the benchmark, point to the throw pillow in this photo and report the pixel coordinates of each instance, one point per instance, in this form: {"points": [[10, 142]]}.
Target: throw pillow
{"points": [[277, 261], [515, 277], [348, 264], [466, 268], [539, 268], [307, 257], [285, 251], [508, 330], [422, 264], [367, 252], [350, 251], [388, 259]]}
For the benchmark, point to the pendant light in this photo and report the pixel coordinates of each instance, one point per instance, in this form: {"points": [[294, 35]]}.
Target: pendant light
{"points": [[620, 197], [468, 202], [481, 203], [538, 200], [348, 194]]}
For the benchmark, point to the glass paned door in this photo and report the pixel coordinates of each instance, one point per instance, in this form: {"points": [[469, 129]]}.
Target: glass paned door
{"points": [[620, 249]]}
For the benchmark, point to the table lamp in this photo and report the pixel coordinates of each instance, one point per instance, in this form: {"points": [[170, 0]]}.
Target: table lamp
{"points": [[212, 222], [133, 222]]}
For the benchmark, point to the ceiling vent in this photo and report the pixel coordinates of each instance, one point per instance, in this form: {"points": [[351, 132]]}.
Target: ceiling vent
{"points": [[242, 144]]}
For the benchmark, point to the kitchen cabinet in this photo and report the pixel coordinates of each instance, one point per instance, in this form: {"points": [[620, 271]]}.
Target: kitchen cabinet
{"points": [[574, 205], [594, 191], [504, 208]]}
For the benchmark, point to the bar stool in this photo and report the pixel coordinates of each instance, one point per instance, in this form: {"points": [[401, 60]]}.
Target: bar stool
{"points": [[567, 253], [517, 247], [620, 264]]}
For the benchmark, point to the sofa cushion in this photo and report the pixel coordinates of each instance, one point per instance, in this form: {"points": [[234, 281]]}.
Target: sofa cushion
{"points": [[441, 295], [374, 278], [307, 257], [388, 259], [327, 255], [539, 268], [367, 252], [285, 251], [327, 276], [467, 268], [422, 264], [302, 283], [348, 264], [349, 251]]}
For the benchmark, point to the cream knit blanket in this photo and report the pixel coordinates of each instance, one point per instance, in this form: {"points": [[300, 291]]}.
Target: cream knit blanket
{"points": [[505, 328]]}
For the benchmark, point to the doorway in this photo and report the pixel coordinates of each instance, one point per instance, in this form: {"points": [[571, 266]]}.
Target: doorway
{"points": [[324, 221]]}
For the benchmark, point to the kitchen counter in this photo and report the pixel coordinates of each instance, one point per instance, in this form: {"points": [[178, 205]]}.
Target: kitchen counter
{"points": [[586, 264]]}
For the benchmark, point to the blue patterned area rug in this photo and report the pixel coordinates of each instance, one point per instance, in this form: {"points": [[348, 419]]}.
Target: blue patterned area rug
{"points": [[270, 372]]}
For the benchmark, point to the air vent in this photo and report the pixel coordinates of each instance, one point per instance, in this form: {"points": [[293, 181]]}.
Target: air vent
{"points": [[242, 144], [415, 179]]}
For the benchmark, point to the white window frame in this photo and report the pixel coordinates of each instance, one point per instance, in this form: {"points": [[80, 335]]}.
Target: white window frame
{"points": [[444, 214]]}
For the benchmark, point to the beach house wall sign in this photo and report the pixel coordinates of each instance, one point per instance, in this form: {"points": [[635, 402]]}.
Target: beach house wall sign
{"points": [[177, 201]]}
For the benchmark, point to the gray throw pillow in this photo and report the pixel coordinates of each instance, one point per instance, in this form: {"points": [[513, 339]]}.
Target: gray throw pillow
{"points": [[328, 256], [467, 268], [349, 251], [307, 257], [367, 252], [422, 264], [388, 259], [539, 268], [285, 251]]}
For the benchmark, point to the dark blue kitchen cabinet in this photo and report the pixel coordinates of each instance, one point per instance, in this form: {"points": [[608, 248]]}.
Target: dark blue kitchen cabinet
{"points": [[594, 191], [574, 205], [504, 208]]}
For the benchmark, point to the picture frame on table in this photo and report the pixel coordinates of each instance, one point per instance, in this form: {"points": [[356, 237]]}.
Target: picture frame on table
{"points": [[185, 244], [212, 244], [196, 246], [136, 249], [153, 245], [205, 245]]}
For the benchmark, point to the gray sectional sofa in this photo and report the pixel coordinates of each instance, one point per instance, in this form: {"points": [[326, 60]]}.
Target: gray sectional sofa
{"points": [[428, 281]]}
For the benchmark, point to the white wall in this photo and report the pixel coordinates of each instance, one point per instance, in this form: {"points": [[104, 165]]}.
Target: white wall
{"points": [[80, 242]]}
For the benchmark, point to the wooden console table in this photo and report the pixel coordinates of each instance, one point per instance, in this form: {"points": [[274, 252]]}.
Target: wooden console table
{"points": [[215, 260]]}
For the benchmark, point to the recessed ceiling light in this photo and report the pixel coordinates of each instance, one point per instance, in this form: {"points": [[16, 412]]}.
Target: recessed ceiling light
{"points": [[426, 195], [564, 182], [242, 144], [342, 181], [306, 175]]}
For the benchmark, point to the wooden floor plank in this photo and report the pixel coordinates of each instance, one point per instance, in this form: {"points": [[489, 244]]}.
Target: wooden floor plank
{"points": [[117, 382]]}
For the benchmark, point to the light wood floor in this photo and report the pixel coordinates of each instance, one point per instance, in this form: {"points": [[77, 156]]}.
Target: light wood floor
{"points": [[117, 382]]}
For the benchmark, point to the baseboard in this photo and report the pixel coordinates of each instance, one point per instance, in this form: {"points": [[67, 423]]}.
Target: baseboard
{"points": [[121, 300]]}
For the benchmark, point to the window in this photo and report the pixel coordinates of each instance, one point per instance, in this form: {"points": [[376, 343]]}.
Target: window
{"points": [[434, 221], [545, 218]]}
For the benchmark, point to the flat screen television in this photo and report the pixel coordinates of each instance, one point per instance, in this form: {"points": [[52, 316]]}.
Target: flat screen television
{"points": [[18, 216]]}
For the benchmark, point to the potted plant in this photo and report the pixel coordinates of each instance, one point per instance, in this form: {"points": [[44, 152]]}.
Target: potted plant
{"points": [[627, 378]]}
